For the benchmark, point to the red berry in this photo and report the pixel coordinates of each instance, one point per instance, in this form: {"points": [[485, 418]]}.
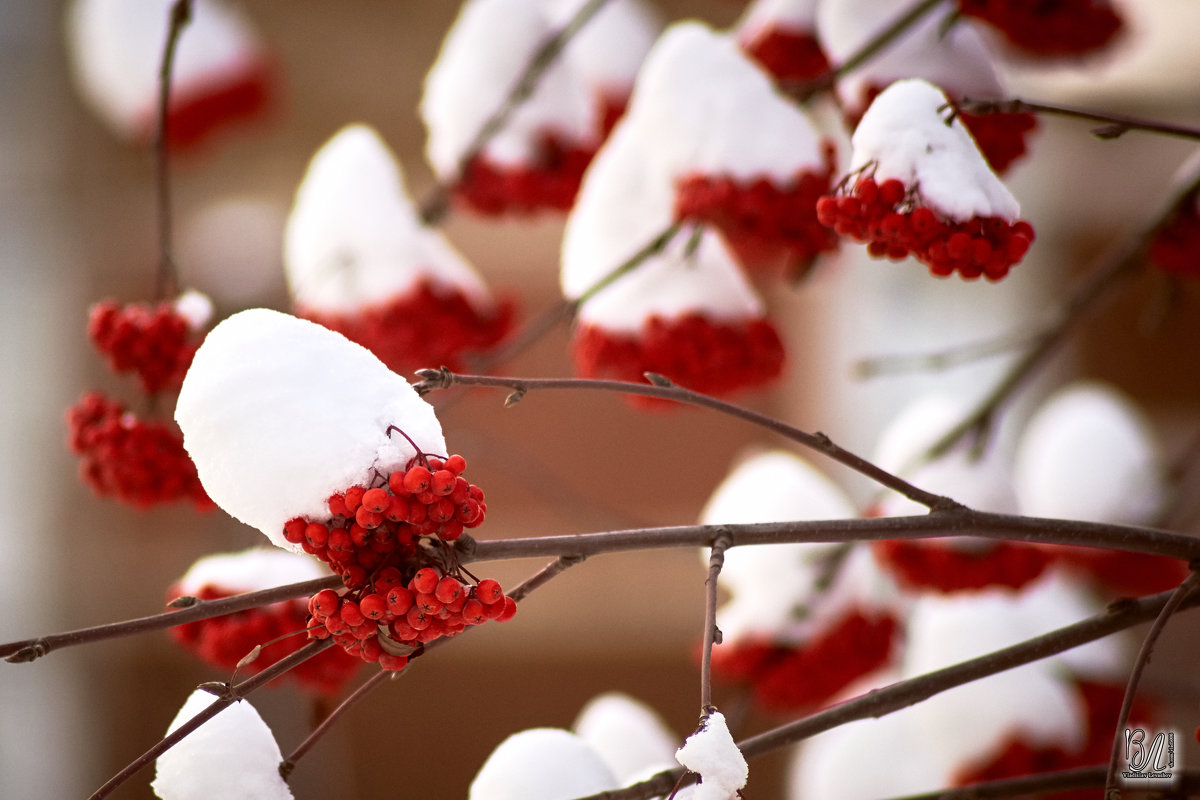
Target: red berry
{"points": [[317, 535], [442, 482], [353, 498], [448, 589], [488, 591], [367, 518], [325, 602], [376, 500], [891, 192], [387, 578], [350, 613], [392, 663], [425, 581], [456, 464], [397, 510], [473, 613], [337, 505], [399, 600], [293, 530], [510, 609], [373, 606], [416, 480]]}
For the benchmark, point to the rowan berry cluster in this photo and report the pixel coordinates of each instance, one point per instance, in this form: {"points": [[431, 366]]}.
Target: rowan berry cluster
{"points": [[390, 618], [137, 461], [429, 325], [760, 219], [152, 341], [693, 351], [550, 181], [891, 220], [225, 641], [1176, 245], [1058, 29], [936, 566], [789, 55]]}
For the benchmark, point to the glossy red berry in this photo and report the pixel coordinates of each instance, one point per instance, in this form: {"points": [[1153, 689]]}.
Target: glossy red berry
{"points": [[417, 479], [425, 581]]}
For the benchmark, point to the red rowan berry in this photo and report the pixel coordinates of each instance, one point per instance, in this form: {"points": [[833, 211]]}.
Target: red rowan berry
{"points": [[373, 606], [416, 480], [461, 491], [456, 464], [510, 609], [488, 591], [867, 191], [891, 192], [447, 589], [426, 497], [353, 498], [325, 602], [425, 580], [370, 650], [376, 500], [369, 559], [396, 482], [442, 482], [417, 619], [367, 518], [399, 600], [350, 613], [387, 578], [293, 530], [427, 604], [397, 510], [827, 210], [473, 613], [442, 511], [450, 530], [337, 505], [392, 663], [317, 535], [354, 576]]}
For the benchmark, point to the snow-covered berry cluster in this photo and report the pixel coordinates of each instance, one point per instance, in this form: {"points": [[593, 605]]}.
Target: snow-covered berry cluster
{"points": [[138, 461], [789, 55], [894, 222], [1175, 248], [1050, 30], [550, 181], [225, 642], [388, 619], [154, 341]]}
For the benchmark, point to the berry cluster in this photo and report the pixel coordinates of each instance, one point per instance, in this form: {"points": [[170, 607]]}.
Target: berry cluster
{"points": [[692, 351], [550, 182], [225, 641], [429, 325], [760, 219], [389, 619], [1175, 248], [1053, 30], [197, 112], [792, 677], [134, 460], [152, 341], [942, 567], [789, 55], [889, 217]]}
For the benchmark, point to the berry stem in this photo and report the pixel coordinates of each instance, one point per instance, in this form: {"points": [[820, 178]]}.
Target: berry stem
{"points": [[712, 635], [1118, 124], [167, 278], [437, 203], [231, 695], [1175, 601]]}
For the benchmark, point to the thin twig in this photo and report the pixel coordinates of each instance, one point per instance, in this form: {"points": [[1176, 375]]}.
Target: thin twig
{"points": [[902, 694], [443, 379], [937, 361], [712, 635], [435, 205], [167, 278], [369, 685], [542, 576], [1044, 783], [31, 649], [231, 695], [1181, 593], [1117, 124]]}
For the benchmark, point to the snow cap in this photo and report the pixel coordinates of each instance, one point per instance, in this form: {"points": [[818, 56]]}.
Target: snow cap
{"points": [[354, 239], [278, 413], [905, 136], [541, 764], [630, 737], [249, 571], [712, 753], [232, 756]]}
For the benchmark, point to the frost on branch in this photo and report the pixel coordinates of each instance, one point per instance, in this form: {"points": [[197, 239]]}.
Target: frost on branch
{"points": [[231, 756], [278, 413], [536, 160], [780, 35], [954, 58], [917, 185], [711, 753], [804, 620], [360, 261], [542, 764], [225, 641], [220, 74]]}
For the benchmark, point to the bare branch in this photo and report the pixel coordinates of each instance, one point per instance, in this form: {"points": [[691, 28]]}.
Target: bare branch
{"points": [[1115, 124]]}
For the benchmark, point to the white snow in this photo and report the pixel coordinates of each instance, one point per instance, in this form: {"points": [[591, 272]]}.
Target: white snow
{"points": [[116, 51], [712, 753], [542, 764], [481, 59], [249, 571], [232, 756], [195, 307], [956, 59], [605, 55], [906, 136], [279, 413], [630, 737], [354, 239], [795, 16], [1088, 453]]}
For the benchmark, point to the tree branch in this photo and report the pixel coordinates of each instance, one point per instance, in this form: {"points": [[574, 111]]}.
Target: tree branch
{"points": [[1118, 124], [712, 635], [167, 278]]}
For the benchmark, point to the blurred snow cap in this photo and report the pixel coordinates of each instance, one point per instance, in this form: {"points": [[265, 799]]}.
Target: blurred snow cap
{"points": [[116, 52], [249, 571], [278, 413], [904, 135], [542, 764], [232, 756], [712, 754], [629, 735], [354, 238], [1088, 453]]}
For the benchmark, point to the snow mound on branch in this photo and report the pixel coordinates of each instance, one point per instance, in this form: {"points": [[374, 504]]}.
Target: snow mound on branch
{"points": [[1090, 454], [762, 14], [354, 238], [481, 58], [249, 571], [630, 737], [712, 753], [116, 52], [606, 54], [278, 413], [954, 57], [542, 764], [703, 106], [233, 756], [904, 135]]}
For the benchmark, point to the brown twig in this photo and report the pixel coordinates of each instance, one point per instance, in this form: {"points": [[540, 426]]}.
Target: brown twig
{"points": [[937, 361], [167, 277], [1117, 124], [1047, 782], [1173, 604], [712, 635], [435, 205], [231, 695]]}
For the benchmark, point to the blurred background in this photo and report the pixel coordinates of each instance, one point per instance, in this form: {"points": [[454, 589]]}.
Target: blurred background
{"points": [[78, 224]]}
